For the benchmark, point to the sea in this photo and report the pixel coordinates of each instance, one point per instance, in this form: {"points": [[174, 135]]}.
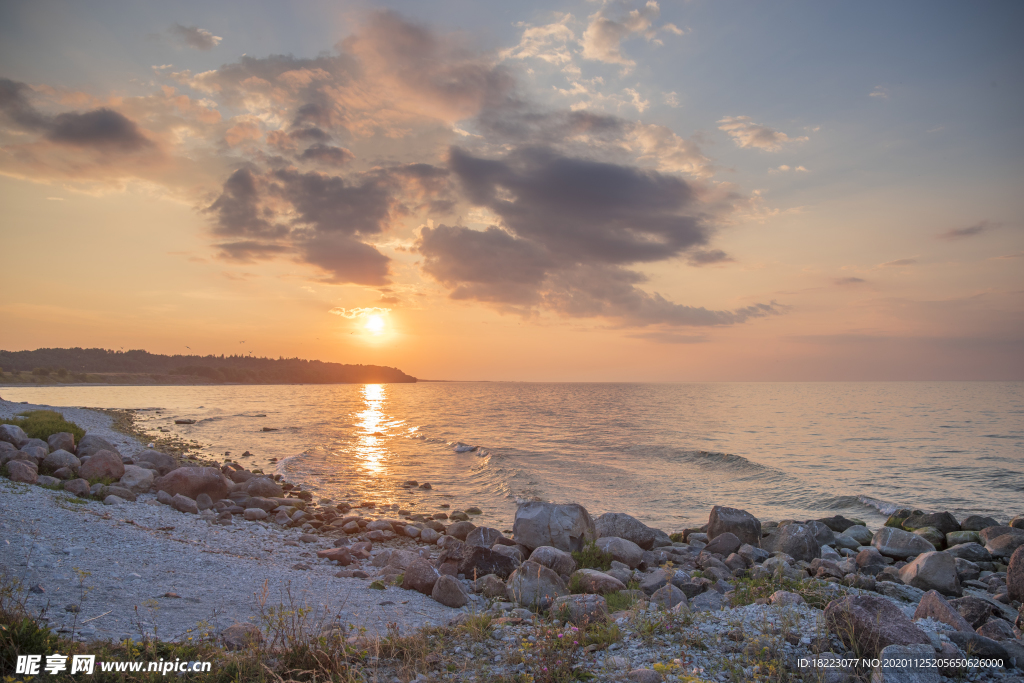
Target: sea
{"points": [[664, 453]]}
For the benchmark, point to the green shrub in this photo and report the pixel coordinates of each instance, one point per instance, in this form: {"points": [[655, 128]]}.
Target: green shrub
{"points": [[40, 424], [619, 601], [592, 557], [41, 372]]}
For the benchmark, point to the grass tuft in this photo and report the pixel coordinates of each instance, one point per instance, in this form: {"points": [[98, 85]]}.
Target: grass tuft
{"points": [[41, 424]]}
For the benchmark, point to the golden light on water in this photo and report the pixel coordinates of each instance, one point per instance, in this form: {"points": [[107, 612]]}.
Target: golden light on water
{"points": [[371, 423]]}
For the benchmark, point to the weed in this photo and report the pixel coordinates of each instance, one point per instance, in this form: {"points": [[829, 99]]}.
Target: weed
{"points": [[41, 424], [592, 557]]}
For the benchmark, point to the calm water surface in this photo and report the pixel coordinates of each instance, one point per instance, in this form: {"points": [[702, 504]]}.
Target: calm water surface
{"points": [[664, 453]]}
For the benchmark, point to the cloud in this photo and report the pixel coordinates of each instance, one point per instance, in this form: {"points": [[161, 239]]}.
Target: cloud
{"points": [[548, 42], [195, 37], [843, 281], [746, 133], [898, 263], [785, 168], [602, 39], [352, 313], [327, 155], [705, 257], [970, 231], [668, 337], [879, 93]]}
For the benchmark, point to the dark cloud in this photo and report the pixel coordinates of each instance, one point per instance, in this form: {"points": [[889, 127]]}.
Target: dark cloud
{"points": [[970, 231], [310, 134], [704, 257], [849, 281], [345, 259], [195, 37], [102, 129], [327, 155], [247, 251], [898, 262]]}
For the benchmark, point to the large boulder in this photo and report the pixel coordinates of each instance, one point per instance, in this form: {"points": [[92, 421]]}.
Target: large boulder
{"points": [[557, 560], [161, 461], [975, 611], [449, 591], [973, 552], [868, 624], [593, 581], [907, 664], [977, 523], [23, 471], [534, 585], [102, 464], [93, 443], [900, 544], [566, 527], [13, 434], [137, 479], [460, 530], [420, 576], [932, 571], [795, 540], [723, 544], [475, 561], [740, 523], [621, 525], [483, 536], [621, 550], [823, 535], [264, 487], [581, 609], [192, 481], [934, 606], [1015, 576], [943, 521], [859, 533], [61, 441], [61, 458], [1004, 545]]}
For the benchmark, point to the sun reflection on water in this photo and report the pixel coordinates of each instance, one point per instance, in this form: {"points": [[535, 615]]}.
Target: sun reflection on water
{"points": [[371, 422]]}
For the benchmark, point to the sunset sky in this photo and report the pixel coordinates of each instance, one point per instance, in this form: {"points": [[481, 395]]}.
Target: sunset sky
{"points": [[578, 191]]}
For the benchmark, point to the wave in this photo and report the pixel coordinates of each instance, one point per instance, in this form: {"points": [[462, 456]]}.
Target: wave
{"points": [[727, 461], [460, 447]]}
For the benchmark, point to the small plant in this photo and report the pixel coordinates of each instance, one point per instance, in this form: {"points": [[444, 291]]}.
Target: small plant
{"points": [[620, 600], [41, 424], [676, 537], [592, 557]]}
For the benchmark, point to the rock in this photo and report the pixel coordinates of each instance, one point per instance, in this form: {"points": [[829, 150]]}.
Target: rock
{"points": [[932, 535], [241, 636], [581, 609], [626, 552], [987, 534], [64, 473], [460, 530], [975, 611], [785, 599], [483, 536], [61, 458], [838, 524], [972, 552], [934, 606], [164, 497], [118, 491], [859, 533], [90, 444], [900, 544], [534, 585], [797, 541], [907, 664], [1017, 522], [566, 527], [264, 487], [61, 441], [897, 591], [709, 601], [557, 560], [113, 500], [255, 514], [996, 629], [78, 487], [265, 504], [977, 523], [13, 434], [751, 554], [102, 464], [652, 581], [943, 521], [621, 525], [161, 461], [457, 516], [420, 576], [429, 535], [740, 523], [644, 676], [137, 479], [595, 582], [959, 537], [869, 624], [1004, 545], [340, 555], [1015, 576], [966, 570], [184, 504], [449, 591], [411, 531], [822, 534], [380, 525], [978, 646], [846, 542], [35, 453], [723, 544], [475, 562], [22, 471], [193, 481], [490, 586], [668, 596]]}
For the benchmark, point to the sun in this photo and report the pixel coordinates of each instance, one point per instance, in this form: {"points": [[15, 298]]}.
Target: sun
{"points": [[375, 324]]}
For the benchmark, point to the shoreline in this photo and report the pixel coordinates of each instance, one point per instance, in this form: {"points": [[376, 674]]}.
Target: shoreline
{"points": [[184, 571]]}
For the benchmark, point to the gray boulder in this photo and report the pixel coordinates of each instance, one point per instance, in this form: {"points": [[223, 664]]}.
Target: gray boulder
{"points": [[907, 664], [797, 541], [102, 464], [93, 443], [859, 533], [534, 585], [566, 527], [621, 525], [740, 523], [161, 461], [184, 504], [137, 479], [13, 434], [668, 596], [822, 534], [61, 441], [420, 576], [709, 601], [977, 523], [557, 560], [723, 544], [868, 624], [581, 609], [61, 458], [593, 581], [932, 571], [621, 550], [973, 552], [22, 471], [900, 544], [449, 591], [483, 536], [1015, 576], [943, 521]]}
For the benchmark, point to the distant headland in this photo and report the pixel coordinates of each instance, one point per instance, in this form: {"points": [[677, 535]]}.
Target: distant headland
{"points": [[104, 366]]}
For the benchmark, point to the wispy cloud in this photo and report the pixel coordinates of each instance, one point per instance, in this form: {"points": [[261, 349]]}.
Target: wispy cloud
{"points": [[602, 40], [195, 37], [844, 281], [970, 231], [746, 133], [352, 313], [902, 262]]}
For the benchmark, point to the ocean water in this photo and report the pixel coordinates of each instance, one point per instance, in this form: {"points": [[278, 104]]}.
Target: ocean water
{"points": [[665, 453]]}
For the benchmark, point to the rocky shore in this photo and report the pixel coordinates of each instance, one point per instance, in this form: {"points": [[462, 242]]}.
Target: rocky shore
{"points": [[112, 530]]}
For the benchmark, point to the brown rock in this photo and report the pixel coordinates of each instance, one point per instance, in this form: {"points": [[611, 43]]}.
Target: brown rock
{"points": [[22, 471], [420, 576], [78, 487], [460, 530], [868, 624], [184, 504], [595, 582], [192, 481], [582, 609], [1015, 575], [935, 606], [102, 465], [974, 610], [449, 591], [61, 441], [490, 586], [161, 461], [740, 523]]}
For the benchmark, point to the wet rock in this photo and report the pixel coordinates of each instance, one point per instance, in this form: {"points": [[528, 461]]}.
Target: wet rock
{"points": [[450, 592], [264, 487], [457, 516], [557, 560], [420, 576], [869, 624], [59, 458], [934, 606], [566, 527], [900, 544], [593, 581], [838, 524], [740, 523], [534, 585], [581, 609], [932, 535], [184, 504], [1004, 545], [621, 525], [483, 536], [621, 550], [797, 541], [161, 461], [102, 465], [241, 636], [22, 471], [943, 521]]}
